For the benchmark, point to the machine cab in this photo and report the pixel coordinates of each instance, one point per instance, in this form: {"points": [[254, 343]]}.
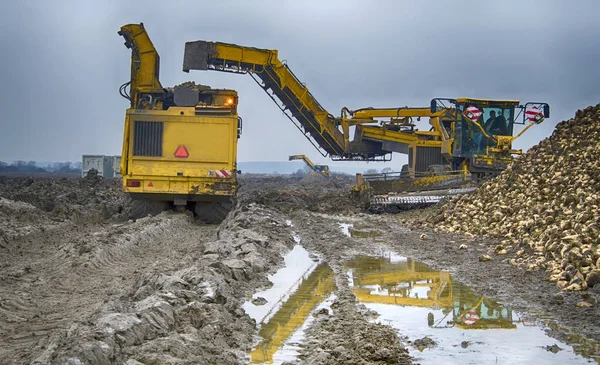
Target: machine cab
{"points": [[480, 124], [477, 122]]}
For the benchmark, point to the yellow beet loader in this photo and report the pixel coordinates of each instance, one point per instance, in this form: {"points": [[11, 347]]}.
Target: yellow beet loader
{"points": [[466, 140]]}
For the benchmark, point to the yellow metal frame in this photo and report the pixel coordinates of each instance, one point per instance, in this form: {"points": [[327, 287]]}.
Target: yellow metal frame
{"points": [[163, 177], [257, 61], [167, 177], [265, 63]]}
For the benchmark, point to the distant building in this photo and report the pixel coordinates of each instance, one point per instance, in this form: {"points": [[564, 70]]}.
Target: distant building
{"points": [[107, 166]]}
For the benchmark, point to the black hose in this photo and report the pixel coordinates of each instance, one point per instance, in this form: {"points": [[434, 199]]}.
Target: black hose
{"points": [[123, 91]]}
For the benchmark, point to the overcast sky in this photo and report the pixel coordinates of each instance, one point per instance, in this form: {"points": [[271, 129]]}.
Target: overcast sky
{"points": [[61, 66]]}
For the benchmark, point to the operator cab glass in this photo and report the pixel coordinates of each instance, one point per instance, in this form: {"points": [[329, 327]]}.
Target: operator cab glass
{"points": [[495, 120]]}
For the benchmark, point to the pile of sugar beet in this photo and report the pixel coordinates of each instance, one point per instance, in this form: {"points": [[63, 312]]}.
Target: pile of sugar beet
{"points": [[543, 207]]}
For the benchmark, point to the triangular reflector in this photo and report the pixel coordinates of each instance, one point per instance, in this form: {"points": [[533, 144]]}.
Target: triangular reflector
{"points": [[181, 152], [150, 184]]}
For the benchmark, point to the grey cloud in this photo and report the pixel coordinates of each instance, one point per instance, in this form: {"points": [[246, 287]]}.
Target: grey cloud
{"points": [[65, 64]]}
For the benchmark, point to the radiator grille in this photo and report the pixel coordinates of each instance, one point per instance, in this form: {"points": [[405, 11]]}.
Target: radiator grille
{"points": [[147, 138], [427, 156]]}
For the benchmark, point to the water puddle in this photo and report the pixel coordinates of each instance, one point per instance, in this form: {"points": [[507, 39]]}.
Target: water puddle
{"points": [[466, 328], [297, 264], [290, 350], [359, 231], [345, 227], [283, 311], [365, 233]]}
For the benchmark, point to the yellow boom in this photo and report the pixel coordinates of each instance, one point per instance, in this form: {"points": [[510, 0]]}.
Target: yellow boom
{"points": [[145, 65], [320, 127]]}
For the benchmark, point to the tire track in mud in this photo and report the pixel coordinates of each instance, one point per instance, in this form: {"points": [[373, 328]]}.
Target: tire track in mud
{"points": [[50, 281], [190, 312]]}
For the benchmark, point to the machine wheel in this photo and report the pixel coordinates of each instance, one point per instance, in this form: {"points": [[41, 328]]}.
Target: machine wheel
{"points": [[142, 208], [213, 213]]}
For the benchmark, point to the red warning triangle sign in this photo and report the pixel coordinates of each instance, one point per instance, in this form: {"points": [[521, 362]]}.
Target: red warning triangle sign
{"points": [[150, 184], [181, 152]]}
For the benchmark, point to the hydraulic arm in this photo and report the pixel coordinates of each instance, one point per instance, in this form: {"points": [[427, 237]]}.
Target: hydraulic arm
{"points": [[305, 159]]}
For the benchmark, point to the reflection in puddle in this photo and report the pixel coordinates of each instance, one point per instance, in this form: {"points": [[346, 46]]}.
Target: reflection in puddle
{"points": [[467, 328], [299, 288], [291, 348], [364, 233], [297, 264], [358, 231]]}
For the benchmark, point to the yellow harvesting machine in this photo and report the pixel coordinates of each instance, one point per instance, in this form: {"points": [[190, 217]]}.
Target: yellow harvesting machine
{"points": [[467, 141], [321, 169], [179, 144], [466, 137]]}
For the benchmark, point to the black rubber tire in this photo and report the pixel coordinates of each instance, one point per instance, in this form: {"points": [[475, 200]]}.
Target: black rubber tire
{"points": [[141, 208], [212, 213]]}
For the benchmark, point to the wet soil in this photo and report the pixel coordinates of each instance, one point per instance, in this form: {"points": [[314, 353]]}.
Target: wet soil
{"points": [[90, 284], [523, 290]]}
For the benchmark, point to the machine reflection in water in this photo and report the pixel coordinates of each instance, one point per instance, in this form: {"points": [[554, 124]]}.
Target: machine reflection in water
{"points": [[293, 314], [467, 328], [410, 283]]}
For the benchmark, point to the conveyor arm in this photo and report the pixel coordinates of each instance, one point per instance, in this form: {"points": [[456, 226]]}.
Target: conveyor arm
{"points": [[318, 125]]}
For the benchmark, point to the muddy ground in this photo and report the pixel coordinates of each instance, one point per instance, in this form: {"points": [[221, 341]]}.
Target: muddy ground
{"points": [[89, 277]]}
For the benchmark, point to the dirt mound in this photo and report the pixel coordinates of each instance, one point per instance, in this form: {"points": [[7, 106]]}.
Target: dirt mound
{"points": [[19, 219], [89, 199], [292, 193], [313, 178], [337, 182], [544, 206], [346, 336], [292, 199], [66, 198], [192, 85], [318, 181]]}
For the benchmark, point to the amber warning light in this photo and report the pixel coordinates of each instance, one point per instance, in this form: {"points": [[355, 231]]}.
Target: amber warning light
{"points": [[181, 152]]}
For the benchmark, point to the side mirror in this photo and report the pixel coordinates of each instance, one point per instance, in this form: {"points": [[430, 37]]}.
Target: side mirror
{"points": [[546, 111], [433, 106]]}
